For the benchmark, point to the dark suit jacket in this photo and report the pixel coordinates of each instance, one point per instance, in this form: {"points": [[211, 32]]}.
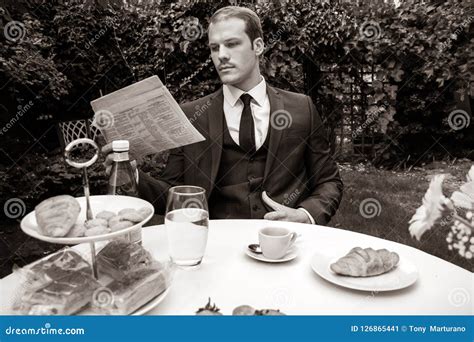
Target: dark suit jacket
{"points": [[299, 169]]}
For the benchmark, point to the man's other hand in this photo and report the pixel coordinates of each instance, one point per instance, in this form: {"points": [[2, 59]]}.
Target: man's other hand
{"points": [[109, 159], [283, 213]]}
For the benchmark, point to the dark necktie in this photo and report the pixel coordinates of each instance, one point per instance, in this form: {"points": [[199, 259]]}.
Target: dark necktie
{"points": [[246, 130]]}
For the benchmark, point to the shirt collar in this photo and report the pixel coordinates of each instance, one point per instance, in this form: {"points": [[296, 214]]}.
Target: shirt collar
{"points": [[232, 94]]}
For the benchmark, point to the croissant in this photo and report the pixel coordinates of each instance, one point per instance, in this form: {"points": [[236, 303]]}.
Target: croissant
{"points": [[57, 215], [365, 262]]}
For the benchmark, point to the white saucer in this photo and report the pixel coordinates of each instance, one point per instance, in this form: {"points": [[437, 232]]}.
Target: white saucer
{"points": [[290, 255]]}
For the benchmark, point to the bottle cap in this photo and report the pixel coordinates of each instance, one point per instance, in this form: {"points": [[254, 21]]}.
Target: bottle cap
{"points": [[120, 145]]}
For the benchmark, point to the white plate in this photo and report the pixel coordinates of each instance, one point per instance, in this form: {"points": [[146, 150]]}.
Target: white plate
{"points": [[139, 312], [98, 203], [290, 255], [151, 304], [403, 275]]}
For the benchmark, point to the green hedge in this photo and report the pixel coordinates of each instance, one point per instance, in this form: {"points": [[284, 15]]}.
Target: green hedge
{"points": [[71, 51]]}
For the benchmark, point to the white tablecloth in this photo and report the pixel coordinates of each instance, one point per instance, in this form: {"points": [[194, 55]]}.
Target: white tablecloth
{"points": [[231, 278]]}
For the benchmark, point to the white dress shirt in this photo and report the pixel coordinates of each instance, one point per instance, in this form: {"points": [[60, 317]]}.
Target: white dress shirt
{"points": [[260, 107]]}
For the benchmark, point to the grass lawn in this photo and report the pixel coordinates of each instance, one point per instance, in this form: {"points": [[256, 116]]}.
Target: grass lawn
{"points": [[399, 195]]}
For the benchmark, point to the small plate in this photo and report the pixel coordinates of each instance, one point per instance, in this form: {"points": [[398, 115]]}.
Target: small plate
{"points": [[113, 203], [403, 275], [290, 255]]}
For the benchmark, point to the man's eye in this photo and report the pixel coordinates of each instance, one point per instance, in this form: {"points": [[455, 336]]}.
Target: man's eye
{"points": [[232, 44], [214, 48]]}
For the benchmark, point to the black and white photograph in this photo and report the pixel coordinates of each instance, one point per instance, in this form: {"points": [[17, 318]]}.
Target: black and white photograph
{"points": [[238, 158]]}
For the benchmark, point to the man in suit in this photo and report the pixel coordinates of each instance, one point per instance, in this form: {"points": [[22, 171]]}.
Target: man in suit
{"points": [[258, 138]]}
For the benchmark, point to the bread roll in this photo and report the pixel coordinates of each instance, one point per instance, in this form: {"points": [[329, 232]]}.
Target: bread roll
{"points": [[57, 215], [106, 215], [130, 215]]}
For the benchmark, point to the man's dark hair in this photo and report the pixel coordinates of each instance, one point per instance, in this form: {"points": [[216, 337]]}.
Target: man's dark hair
{"points": [[253, 27]]}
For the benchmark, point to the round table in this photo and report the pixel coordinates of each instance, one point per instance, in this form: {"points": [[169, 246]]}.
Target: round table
{"points": [[231, 278]]}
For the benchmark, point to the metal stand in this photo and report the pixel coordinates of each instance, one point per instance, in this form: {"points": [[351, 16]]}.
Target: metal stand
{"points": [[95, 273], [85, 183]]}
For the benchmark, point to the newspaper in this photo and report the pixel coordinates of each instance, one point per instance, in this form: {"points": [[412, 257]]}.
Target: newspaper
{"points": [[146, 114]]}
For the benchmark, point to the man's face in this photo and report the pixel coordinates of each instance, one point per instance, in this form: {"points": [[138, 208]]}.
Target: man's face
{"points": [[231, 51]]}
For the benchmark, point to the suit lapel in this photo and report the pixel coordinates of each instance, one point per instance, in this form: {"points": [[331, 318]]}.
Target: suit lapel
{"points": [[276, 104], [216, 118], [215, 114]]}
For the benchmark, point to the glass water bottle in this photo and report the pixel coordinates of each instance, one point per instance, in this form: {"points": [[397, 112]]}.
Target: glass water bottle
{"points": [[122, 179]]}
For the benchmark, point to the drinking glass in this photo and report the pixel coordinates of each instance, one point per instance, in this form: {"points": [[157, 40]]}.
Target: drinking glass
{"points": [[187, 224]]}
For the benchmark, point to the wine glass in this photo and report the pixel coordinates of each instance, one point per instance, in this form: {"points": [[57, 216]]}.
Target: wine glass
{"points": [[187, 224]]}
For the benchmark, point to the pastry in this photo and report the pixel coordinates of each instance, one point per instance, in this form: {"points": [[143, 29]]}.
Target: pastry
{"points": [[56, 267], [132, 291], [106, 215], [130, 215], [95, 222], [57, 215], [77, 230], [120, 257], [145, 212], [64, 296], [365, 262], [121, 225], [114, 220], [97, 230]]}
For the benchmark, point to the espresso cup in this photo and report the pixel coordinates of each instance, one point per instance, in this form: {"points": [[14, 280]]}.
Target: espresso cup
{"points": [[275, 241]]}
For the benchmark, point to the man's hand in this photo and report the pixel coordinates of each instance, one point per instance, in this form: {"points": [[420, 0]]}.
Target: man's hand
{"points": [[283, 213], [109, 159]]}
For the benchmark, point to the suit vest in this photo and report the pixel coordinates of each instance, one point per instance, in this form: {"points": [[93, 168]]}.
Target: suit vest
{"points": [[238, 185]]}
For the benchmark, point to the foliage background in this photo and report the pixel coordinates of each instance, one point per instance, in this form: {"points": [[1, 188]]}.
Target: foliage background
{"points": [[422, 55]]}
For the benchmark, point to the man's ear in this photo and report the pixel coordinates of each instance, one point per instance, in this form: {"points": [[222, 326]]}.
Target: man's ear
{"points": [[258, 46]]}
